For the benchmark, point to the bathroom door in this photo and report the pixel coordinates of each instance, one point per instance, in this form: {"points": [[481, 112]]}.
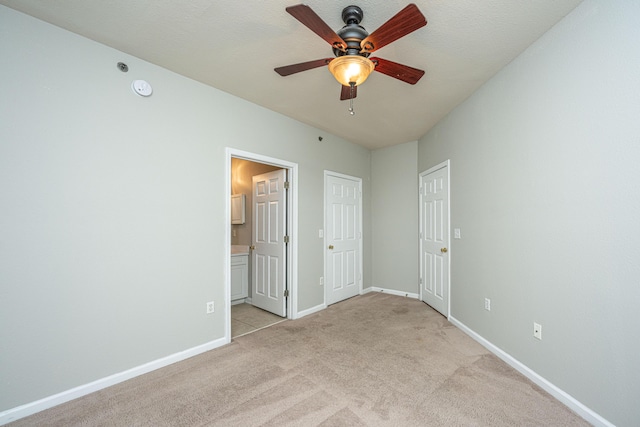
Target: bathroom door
{"points": [[268, 255]]}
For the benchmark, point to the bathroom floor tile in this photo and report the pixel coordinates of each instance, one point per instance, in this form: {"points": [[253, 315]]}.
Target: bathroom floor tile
{"points": [[246, 318]]}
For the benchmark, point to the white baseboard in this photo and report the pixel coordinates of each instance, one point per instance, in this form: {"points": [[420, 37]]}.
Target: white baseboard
{"points": [[22, 411], [390, 291], [568, 400], [311, 310]]}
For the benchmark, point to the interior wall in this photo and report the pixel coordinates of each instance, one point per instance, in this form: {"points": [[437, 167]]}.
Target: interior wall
{"points": [[113, 222], [394, 207], [242, 172], [544, 187]]}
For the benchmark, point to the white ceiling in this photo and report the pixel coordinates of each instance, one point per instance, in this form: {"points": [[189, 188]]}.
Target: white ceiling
{"points": [[235, 45]]}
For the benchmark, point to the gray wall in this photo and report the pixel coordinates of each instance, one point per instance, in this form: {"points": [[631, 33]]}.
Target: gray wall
{"points": [[394, 217], [544, 187], [112, 226]]}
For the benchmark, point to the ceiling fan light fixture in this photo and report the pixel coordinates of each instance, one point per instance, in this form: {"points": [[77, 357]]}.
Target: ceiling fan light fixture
{"points": [[349, 69]]}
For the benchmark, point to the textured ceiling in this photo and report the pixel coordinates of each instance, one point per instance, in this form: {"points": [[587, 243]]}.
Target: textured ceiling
{"points": [[235, 45]]}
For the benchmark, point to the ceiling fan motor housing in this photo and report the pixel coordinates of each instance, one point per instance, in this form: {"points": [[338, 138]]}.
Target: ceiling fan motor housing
{"points": [[352, 33]]}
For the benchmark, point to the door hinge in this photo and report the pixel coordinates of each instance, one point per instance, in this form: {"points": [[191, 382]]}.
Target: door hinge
{"points": [[286, 293], [286, 185], [286, 239]]}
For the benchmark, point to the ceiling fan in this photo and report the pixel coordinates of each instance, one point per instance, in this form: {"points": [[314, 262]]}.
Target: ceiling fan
{"points": [[352, 46]]}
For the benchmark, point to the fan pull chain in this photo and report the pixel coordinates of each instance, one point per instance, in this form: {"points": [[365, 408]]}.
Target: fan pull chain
{"points": [[353, 85]]}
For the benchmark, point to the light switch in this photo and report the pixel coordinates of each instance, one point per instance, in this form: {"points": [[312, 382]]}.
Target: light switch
{"points": [[320, 233], [456, 233]]}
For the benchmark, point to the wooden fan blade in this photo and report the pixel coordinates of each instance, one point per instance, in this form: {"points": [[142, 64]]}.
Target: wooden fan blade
{"points": [[404, 22], [345, 92], [303, 66], [398, 71], [311, 20]]}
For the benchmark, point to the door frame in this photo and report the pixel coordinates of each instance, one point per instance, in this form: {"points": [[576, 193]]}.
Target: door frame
{"points": [[292, 227], [328, 173], [445, 164]]}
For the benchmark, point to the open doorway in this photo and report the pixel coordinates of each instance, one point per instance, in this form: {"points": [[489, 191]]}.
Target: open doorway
{"points": [[260, 241]]}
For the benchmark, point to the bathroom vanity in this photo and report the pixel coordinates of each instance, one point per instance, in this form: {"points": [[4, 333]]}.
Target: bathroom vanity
{"points": [[239, 273]]}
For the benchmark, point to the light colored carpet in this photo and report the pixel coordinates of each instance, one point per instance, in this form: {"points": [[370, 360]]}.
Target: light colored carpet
{"points": [[375, 359]]}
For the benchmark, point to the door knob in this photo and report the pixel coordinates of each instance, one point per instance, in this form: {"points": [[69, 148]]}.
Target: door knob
{"points": [[253, 248], [330, 246], [443, 250]]}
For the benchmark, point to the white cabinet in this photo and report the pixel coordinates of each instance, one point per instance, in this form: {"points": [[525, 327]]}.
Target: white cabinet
{"points": [[239, 276], [238, 208]]}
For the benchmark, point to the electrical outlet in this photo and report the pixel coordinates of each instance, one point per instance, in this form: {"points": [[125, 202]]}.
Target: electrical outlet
{"points": [[321, 281], [210, 307], [487, 304], [537, 330]]}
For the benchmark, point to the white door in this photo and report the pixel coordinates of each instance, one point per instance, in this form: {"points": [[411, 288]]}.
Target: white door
{"points": [[343, 237], [434, 238], [268, 255]]}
